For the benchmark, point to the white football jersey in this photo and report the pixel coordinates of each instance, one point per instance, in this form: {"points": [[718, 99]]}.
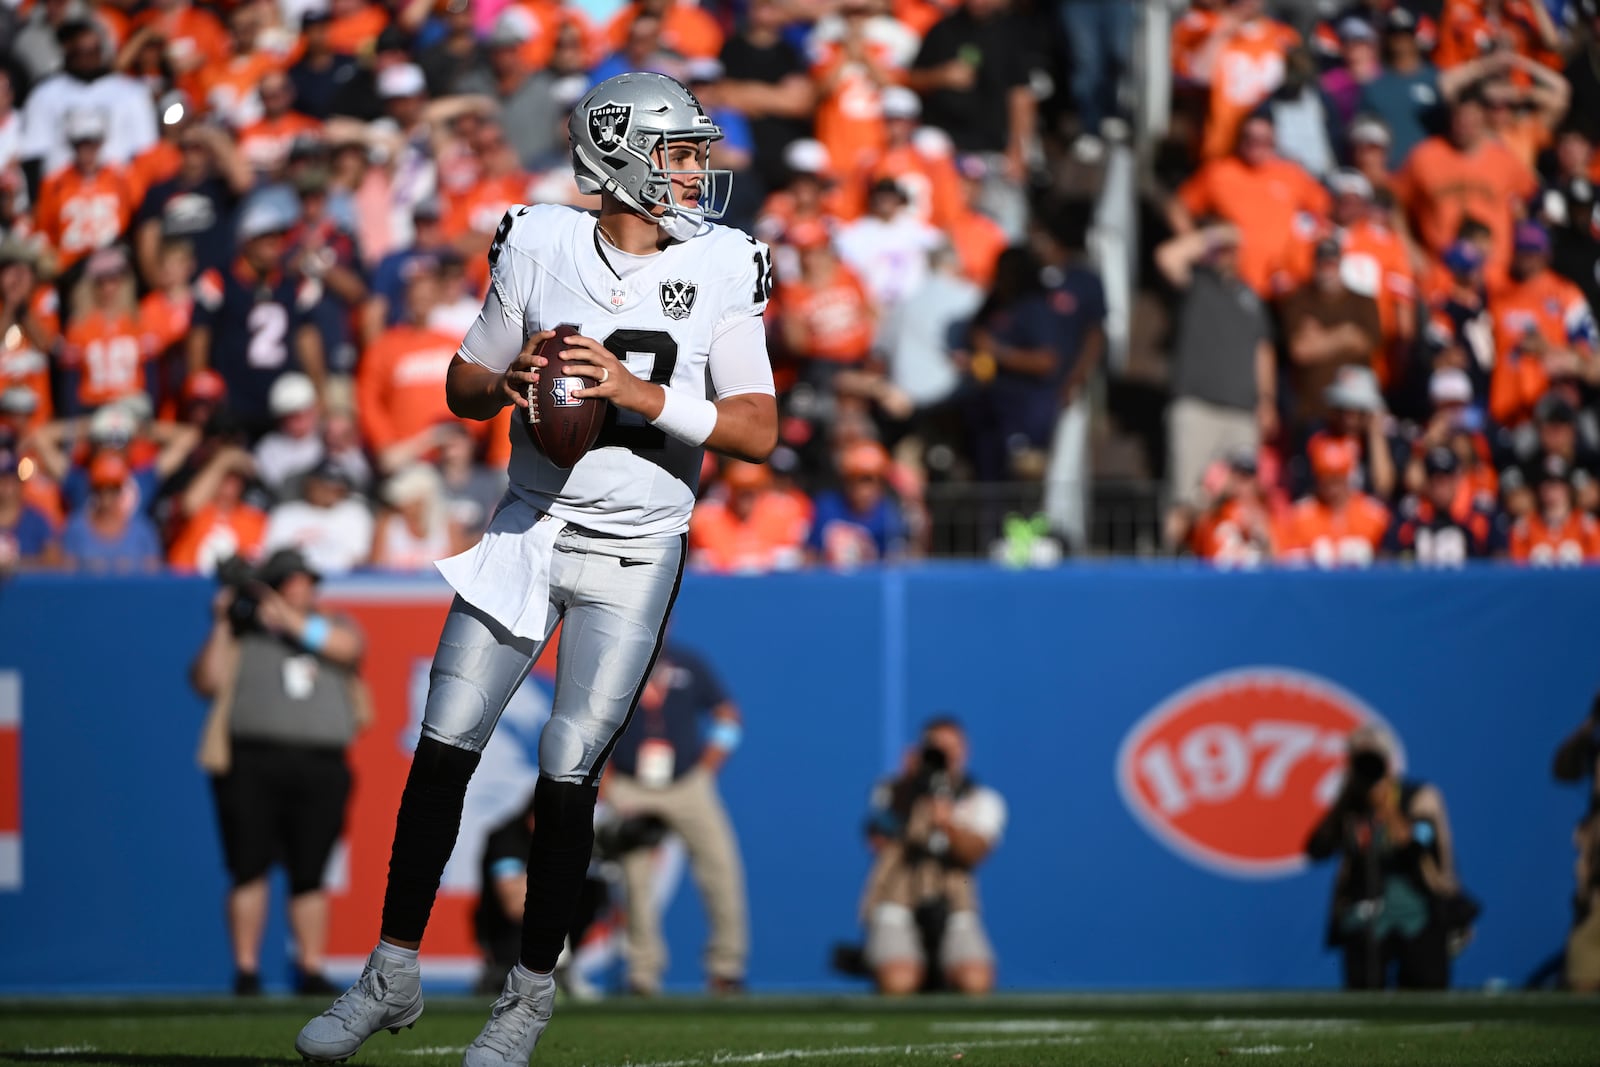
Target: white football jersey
{"points": [[660, 314]]}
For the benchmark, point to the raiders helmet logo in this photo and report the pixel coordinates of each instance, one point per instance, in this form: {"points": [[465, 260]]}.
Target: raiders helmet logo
{"points": [[608, 124], [677, 298]]}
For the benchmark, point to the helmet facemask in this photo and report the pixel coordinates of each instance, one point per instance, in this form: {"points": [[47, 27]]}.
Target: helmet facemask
{"points": [[663, 154]]}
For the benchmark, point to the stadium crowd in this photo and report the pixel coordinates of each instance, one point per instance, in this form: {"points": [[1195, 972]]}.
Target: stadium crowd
{"points": [[242, 240], [1383, 262]]}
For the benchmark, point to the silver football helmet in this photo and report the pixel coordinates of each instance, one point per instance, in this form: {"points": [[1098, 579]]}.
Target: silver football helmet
{"points": [[620, 133]]}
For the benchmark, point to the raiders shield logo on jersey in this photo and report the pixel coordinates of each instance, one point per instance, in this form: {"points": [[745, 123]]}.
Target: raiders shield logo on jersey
{"points": [[608, 124], [677, 298]]}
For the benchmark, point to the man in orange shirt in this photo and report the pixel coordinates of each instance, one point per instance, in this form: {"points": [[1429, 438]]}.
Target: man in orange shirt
{"points": [[753, 529], [1470, 174], [215, 522], [1543, 327], [826, 316], [1244, 62], [400, 382], [851, 74], [1336, 526], [1268, 198], [686, 28], [920, 164], [87, 204], [265, 144], [1557, 534], [228, 81]]}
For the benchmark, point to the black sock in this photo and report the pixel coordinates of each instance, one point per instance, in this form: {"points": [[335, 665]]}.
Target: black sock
{"points": [[424, 835], [563, 838]]}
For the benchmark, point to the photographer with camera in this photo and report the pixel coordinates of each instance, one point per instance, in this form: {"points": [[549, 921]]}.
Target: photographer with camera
{"points": [[1578, 758], [286, 702], [930, 827], [1396, 901]]}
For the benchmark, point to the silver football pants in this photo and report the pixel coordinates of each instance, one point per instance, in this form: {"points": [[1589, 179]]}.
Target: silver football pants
{"points": [[612, 596]]}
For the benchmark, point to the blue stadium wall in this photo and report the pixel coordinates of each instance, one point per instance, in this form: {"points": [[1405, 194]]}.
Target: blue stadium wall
{"points": [[114, 879]]}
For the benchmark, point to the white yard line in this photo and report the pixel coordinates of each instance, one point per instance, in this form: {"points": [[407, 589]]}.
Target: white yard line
{"points": [[1268, 1050], [719, 1059], [1019, 1026]]}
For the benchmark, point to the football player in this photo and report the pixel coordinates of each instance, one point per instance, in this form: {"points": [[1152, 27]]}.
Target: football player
{"points": [[662, 298]]}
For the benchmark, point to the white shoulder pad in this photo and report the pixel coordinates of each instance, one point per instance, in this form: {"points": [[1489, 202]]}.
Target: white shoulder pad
{"points": [[538, 231]]}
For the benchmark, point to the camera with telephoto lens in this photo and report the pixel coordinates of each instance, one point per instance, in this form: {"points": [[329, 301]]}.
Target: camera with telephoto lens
{"points": [[932, 775], [237, 574], [1367, 769]]}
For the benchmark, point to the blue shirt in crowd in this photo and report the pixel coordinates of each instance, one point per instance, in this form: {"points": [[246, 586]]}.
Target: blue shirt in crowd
{"points": [[137, 548], [840, 535]]}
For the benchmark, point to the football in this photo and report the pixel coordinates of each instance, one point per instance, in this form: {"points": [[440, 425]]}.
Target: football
{"points": [[559, 424]]}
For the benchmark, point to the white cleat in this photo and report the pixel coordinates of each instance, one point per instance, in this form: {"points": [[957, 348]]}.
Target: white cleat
{"points": [[515, 1023], [387, 996]]}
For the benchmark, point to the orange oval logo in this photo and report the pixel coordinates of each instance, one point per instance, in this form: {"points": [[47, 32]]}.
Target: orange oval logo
{"points": [[1233, 772]]}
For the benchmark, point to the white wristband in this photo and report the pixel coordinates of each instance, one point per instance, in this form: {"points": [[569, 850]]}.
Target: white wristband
{"points": [[688, 418]]}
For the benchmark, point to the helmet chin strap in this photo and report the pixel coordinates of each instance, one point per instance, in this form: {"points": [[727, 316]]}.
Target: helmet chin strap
{"points": [[675, 222]]}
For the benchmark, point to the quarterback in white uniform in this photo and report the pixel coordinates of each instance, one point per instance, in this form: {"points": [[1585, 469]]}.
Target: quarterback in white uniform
{"points": [[668, 306]]}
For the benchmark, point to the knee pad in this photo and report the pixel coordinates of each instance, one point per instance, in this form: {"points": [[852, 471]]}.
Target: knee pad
{"points": [[565, 751], [457, 713]]}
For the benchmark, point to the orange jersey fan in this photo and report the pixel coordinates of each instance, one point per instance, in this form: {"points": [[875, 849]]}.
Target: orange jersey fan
{"points": [[1247, 70], [109, 351], [1575, 541], [1347, 536], [835, 318], [80, 212], [400, 384]]}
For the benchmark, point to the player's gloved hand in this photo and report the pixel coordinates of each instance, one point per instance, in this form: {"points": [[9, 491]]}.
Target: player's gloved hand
{"points": [[524, 370], [589, 358]]}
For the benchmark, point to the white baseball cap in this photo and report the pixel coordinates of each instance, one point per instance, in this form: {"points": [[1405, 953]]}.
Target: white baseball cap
{"points": [[85, 124], [404, 79], [1355, 389], [270, 210], [898, 102], [291, 394], [1450, 385], [112, 424], [1347, 181], [807, 156]]}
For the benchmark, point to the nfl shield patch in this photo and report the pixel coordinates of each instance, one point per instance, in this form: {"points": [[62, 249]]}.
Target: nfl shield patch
{"points": [[677, 298], [561, 391], [608, 124]]}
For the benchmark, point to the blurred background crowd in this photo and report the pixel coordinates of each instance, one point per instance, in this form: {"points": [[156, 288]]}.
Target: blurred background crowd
{"points": [[1306, 281]]}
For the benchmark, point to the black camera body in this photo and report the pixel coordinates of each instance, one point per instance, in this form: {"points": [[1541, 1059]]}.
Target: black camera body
{"points": [[932, 776], [237, 574]]}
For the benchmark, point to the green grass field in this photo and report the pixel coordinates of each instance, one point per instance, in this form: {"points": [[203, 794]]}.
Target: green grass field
{"points": [[1494, 1031]]}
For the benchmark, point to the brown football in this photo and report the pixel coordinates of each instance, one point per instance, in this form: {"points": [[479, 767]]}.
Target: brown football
{"points": [[559, 424]]}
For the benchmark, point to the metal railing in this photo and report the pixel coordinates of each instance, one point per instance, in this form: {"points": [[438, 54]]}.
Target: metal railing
{"points": [[967, 520]]}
